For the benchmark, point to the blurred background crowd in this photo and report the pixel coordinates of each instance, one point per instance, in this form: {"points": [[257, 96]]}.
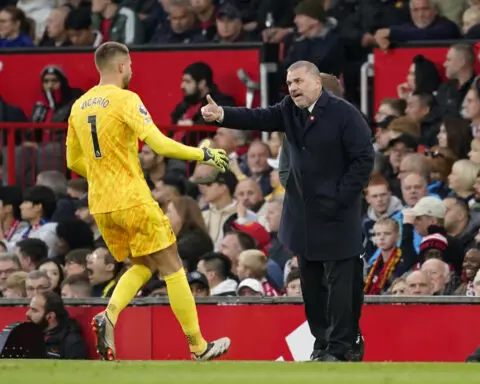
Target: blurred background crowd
{"points": [[422, 205]]}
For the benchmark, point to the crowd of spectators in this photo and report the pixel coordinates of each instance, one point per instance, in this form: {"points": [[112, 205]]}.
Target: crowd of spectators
{"points": [[422, 204]]}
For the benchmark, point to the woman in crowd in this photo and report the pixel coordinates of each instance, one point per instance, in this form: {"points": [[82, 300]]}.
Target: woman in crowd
{"points": [[187, 222], [14, 28], [455, 134], [55, 273], [422, 77], [462, 180]]}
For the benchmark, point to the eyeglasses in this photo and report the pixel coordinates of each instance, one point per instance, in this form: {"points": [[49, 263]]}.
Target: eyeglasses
{"points": [[433, 154]]}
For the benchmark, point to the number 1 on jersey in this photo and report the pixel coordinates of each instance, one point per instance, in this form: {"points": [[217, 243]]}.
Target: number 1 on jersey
{"points": [[92, 120]]}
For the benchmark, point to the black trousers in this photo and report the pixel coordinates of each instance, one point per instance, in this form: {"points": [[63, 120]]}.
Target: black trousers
{"points": [[333, 296]]}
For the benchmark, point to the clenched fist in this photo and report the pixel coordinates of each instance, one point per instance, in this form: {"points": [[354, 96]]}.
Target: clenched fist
{"points": [[212, 112]]}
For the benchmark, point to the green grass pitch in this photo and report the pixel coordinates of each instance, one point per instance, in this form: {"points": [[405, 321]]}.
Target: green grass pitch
{"points": [[161, 372]]}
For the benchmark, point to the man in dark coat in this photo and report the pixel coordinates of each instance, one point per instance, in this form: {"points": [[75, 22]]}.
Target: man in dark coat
{"points": [[331, 160]]}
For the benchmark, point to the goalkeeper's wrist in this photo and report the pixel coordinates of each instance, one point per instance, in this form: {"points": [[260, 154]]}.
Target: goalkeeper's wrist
{"points": [[200, 154]]}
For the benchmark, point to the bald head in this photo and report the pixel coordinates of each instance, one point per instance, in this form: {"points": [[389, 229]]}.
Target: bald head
{"points": [[248, 193], [304, 83], [419, 283]]}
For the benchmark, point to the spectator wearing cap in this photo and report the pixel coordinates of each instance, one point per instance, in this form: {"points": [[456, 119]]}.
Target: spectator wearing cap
{"points": [[460, 72], [217, 190], [55, 34], [11, 222], [83, 213], [317, 39], [439, 272], [187, 222], [426, 24], [205, 11], [461, 223], [116, 22], [197, 83], [198, 284], [217, 268], [78, 25], [433, 246], [230, 26], [37, 208], [253, 264], [250, 287], [428, 217], [421, 107], [181, 27]]}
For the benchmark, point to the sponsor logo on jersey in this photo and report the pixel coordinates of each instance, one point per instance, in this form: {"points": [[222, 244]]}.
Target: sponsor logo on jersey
{"points": [[143, 111]]}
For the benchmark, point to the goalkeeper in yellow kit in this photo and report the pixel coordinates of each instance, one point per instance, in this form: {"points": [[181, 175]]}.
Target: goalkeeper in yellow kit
{"points": [[102, 146]]}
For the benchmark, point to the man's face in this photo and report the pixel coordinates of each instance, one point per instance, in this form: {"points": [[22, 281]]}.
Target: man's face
{"points": [[7, 267], [418, 283], [7, 25], [212, 192], [56, 23], [225, 139], [436, 270], [30, 211], [378, 196], [189, 86], [230, 247], [228, 29], [422, 223], [304, 23], [36, 312], [304, 88], [472, 105], [471, 263], [274, 214], [51, 82], [163, 193], [385, 236], [35, 286], [413, 189], [383, 137], [72, 268], [97, 269], [248, 193], [257, 156], [80, 37], [422, 13], [200, 6], [397, 154], [399, 289], [453, 63], [181, 20], [415, 109], [67, 292]]}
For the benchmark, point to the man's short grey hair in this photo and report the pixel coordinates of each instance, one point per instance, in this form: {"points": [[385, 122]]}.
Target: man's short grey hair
{"points": [[35, 275], [10, 257], [180, 3], [432, 3], [309, 66], [241, 137], [54, 180]]}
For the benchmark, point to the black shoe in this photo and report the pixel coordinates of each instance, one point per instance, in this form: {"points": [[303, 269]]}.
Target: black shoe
{"points": [[328, 358], [317, 355], [474, 357], [358, 349]]}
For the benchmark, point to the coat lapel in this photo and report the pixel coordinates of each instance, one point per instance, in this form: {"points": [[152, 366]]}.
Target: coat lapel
{"points": [[317, 111]]}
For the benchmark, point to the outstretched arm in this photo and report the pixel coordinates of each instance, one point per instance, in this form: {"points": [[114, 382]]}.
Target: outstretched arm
{"points": [[258, 119], [75, 158]]}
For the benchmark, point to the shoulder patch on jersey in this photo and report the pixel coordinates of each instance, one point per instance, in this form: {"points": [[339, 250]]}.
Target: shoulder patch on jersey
{"points": [[143, 111]]}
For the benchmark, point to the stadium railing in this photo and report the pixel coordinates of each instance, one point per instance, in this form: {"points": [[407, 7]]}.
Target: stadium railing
{"points": [[430, 328], [45, 148]]}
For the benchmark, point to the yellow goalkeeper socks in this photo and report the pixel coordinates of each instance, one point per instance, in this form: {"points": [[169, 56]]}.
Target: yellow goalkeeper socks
{"points": [[183, 306], [126, 289]]}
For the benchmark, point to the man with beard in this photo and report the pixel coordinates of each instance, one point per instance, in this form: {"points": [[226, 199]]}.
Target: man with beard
{"points": [[197, 82], [63, 339], [102, 143]]}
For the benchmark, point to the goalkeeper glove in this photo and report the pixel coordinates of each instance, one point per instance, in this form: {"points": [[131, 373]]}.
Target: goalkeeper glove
{"points": [[216, 158]]}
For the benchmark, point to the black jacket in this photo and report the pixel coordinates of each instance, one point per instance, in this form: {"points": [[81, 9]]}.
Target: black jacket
{"points": [[331, 158], [450, 97], [65, 342]]}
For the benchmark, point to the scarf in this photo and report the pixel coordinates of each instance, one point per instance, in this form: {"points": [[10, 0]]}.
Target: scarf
{"points": [[381, 272]]}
